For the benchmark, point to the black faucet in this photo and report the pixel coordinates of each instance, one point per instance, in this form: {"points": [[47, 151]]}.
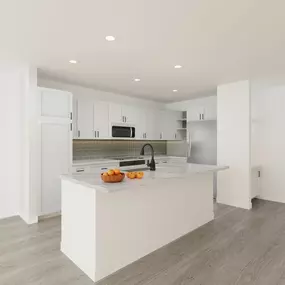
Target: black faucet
{"points": [[152, 162]]}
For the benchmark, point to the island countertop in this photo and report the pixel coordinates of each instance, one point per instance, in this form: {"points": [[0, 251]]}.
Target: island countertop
{"points": [[180, 171]]}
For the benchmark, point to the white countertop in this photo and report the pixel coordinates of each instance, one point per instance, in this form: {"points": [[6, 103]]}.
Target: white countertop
{"points": [[162, 172], [108, 160]]}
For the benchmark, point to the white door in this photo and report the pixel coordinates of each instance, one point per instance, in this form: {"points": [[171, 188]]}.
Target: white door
{"points": [[173, 124], [85, 119], [194, 110], [101, 120], [210, 106], [55, 103], [56, 147], [75, 118], [141, 132], [115, 113], [152, 125], [130, 114]]}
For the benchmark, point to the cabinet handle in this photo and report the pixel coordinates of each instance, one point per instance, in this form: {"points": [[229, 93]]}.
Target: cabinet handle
{"points": [[95, 134], [71, 126], [70, 115], [145, 135], [175, 135], [125, 119], [80, 170], [78, 132], [202, 116], [98, 134], [160, 136]]}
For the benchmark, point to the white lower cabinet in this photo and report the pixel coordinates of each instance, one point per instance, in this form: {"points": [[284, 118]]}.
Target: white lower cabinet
{"points": [[94, 168]]}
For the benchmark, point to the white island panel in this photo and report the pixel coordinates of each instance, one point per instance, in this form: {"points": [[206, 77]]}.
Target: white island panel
{"points": [[108, 226], [135, 222]]}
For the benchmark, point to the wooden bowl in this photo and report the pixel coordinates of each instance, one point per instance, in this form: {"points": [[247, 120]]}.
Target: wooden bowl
{"points": [[114, 178]]}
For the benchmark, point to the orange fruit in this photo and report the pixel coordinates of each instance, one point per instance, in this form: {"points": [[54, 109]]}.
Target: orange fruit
{"points": [[132, 175], [139, 175], [110, 172], [105, 174], [117, 171]]}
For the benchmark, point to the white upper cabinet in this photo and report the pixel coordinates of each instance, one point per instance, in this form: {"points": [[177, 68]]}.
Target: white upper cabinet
{"points": [[141, 123], [151, 130], [122, 113], [202, 109], [93, 119], [167, 125], [85, 119], [210, 108], [101, 120], [55, 103], [130, 114], [115, 113]]}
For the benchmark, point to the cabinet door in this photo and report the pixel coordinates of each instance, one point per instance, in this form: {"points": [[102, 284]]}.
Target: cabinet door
{"points": [[194, 111], [56, 146], [75, 118], [85, 119], [210, 108], [55, 103], [101, 120], [130, 114], [152, 126], [141, 131], [115, 113]]}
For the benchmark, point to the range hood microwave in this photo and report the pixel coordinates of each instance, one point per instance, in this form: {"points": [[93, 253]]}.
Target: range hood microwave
{"points": [[123, 131]]}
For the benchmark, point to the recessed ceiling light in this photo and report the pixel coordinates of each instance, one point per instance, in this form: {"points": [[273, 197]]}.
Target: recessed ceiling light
{"points": [[137, 80], [177, 66], [73, 61], [174, 90], [110, 38]]}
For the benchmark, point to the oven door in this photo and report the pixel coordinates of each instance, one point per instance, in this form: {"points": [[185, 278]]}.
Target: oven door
{"points": [[121, 132]]}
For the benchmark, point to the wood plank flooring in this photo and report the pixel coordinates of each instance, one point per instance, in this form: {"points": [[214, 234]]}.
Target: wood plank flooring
{"points": [[238, 247]]}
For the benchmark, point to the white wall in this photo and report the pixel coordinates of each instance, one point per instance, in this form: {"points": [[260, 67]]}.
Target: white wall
{"points": [[16, 84], [79, 91], [268, 135], [233, 144], [11, 91]]}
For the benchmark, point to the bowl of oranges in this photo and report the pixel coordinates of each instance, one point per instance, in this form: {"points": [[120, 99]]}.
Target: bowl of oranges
{"points": [[113, 176], [134, 175]]}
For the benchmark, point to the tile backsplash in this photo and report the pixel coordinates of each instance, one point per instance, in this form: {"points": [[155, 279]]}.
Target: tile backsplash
{"points": [[93, 149]]}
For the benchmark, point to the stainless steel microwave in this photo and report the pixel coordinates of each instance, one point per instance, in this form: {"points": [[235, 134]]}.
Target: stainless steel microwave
{"points": [[123, 131]]}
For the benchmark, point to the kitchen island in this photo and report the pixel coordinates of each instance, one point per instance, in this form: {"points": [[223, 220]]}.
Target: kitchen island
{"points": [[108, 226]]}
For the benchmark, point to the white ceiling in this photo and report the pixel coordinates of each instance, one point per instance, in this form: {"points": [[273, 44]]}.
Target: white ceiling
{"points": [[216, 41]]}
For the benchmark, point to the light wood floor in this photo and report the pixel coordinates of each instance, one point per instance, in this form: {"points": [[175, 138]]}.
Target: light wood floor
{"points": [[239, 247]]}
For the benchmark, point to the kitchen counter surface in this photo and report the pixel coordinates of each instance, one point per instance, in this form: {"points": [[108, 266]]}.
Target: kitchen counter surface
{"points": [[182, 170], [108, 160]]}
